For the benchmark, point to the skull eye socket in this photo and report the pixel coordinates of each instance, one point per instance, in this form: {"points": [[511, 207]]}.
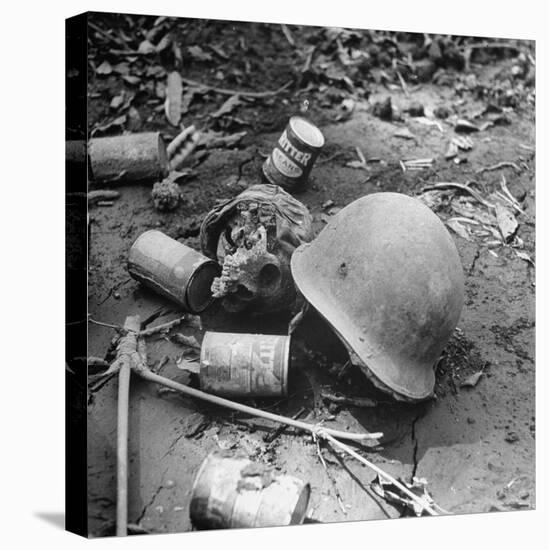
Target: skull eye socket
{"points": [[269, 275], [243, 293]]}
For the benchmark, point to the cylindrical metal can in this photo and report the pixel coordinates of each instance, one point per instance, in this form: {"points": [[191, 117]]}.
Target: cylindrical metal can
{"points": [[131, 157], [231, 491], [173, 270], [244, 364], [294, 154]]}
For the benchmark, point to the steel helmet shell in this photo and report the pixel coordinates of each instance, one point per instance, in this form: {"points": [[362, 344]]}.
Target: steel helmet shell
{"points": [[386, 274]]}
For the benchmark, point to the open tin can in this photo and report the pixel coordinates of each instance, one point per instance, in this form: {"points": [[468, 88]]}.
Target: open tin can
{"points": [[293, 157], [231, 491], [244, 364], [173, 270]]}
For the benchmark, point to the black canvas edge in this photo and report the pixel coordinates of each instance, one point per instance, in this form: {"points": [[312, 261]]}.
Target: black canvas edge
{"points": [[76, 256]]}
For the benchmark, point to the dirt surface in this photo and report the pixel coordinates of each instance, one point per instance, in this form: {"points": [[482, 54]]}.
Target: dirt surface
{"points": [[474, 444]]}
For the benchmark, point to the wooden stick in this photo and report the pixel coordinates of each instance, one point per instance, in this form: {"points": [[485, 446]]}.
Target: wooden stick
{"points": [[226, 91], [313, 428], [122, 451], [126, 347]]}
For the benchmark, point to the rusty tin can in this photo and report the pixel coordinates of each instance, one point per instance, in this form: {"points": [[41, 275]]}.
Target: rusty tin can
{"points": [[231, 491], [244, 364], [293, 157], [173, 270]]}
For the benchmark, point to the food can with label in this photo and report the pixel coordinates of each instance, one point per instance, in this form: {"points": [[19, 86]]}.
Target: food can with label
{"points": [[173, 270], [293, 157], [240, 365], [231, 491]]}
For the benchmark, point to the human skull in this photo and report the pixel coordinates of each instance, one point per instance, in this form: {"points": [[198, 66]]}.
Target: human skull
{"points": [[253, 236]]}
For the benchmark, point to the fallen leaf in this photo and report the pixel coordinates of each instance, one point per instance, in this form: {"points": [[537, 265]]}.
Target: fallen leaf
{"points": [[174, 91], [404, 133], [121, 68], [219, 51], [428, 122], [465, 126], [463, 142], [507, 222], [189, 341], [131, 79], [188, 366], [116, 101], [164, 42], [458, 228], [104, 69], [452, 151], [525, 257], [119, 121], [213, 140], [146, 47], [228, 107], [199, 54], [134, 120], [472, 381]]}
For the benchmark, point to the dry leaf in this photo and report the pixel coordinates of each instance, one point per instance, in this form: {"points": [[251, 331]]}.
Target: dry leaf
{"points": [[472, 381], [189, 341], [174, 91], [404, 133], [119, 121], [213, 140], [146, 47], [452, 151], [458, 228], [507, 222], [121, 68], [199, 54], [188, 366], [130, 79], [104, 69], [465, 126], [228, 107], [117, 100], [525, 257], [164, 42], [428, 122]]}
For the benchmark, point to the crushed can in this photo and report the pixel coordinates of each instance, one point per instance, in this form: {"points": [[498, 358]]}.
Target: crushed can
{"points": [[293, 156], [173, 270], [241, 365], [231, 491]]}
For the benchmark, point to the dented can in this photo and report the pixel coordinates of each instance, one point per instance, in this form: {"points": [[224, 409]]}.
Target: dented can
{"points": [[231, 491], [173, 270], [293, 157], [244, 364]]}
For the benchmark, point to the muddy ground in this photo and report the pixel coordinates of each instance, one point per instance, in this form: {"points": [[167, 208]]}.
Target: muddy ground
{"points": [[474, 444]]}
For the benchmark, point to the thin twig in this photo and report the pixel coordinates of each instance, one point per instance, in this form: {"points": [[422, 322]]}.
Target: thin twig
{"points": [[380, 472], [353, 401], [165, 327], [226, 91], [101, 324], [497, 166], [403, 84], [313, 428], [271, 436], [330, 476]]}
